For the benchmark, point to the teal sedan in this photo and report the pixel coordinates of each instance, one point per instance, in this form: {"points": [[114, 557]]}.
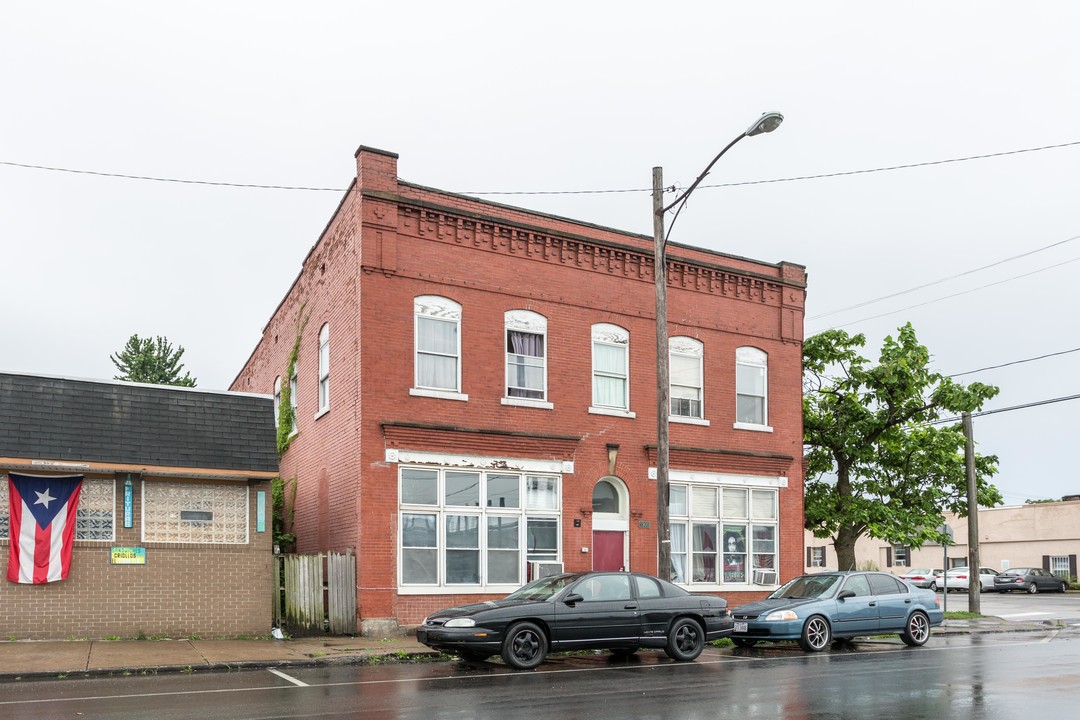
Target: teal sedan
{"points": [[814, 610]]}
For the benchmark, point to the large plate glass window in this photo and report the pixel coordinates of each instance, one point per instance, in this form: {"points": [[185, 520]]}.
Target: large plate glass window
{"points": [[475, 528]]}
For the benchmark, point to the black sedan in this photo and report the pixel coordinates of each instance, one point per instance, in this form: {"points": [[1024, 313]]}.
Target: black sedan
{"points": [[615, 611], [1030, 580]]}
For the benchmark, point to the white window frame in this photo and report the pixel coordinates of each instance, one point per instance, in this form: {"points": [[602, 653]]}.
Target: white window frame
{"points": [[441, 510], [754, 358], [435, 308], [722, 521], [1060, 564], [614, 336], [690, 348], [277, 400], [324, 370], [526, 321], [817, 557]]}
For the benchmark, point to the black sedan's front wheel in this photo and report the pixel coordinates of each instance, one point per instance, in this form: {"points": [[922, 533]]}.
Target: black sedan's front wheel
{"points": [[686, 640], [816, 634], [525, 646]]}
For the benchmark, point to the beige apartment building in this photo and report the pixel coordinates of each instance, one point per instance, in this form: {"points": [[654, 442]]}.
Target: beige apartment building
{"points": [[1045, 535]]}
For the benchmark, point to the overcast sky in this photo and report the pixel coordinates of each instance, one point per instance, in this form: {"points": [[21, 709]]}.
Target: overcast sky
{"points": [[480, 97]]}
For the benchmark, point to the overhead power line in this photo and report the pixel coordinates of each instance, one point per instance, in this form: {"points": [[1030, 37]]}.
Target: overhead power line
{"points": [[944, 279], [995, 411], [957, 294], [216, 183], [1015, 362]]}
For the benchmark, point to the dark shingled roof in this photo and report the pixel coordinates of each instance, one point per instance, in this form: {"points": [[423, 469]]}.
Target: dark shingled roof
{"points": [[126, 423]]}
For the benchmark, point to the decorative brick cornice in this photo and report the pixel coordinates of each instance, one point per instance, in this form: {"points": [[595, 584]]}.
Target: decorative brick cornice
{"points": [[493, 234]]}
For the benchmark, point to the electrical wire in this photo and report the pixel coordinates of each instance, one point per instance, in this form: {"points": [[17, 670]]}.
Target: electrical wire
{"points": [[1015, 362], [820, 176], [995, 411], [958, 294], [945, 279]]}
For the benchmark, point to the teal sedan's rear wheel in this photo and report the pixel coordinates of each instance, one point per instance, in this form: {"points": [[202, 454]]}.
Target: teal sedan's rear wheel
{"points": [[816, 634], [917, 630]]}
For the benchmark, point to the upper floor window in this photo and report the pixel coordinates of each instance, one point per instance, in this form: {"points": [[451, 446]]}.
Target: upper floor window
{"points": [[685, 356], [611, 367], [526, 355], [438, 343], [751, 387], [277, 399], [324, 368]]}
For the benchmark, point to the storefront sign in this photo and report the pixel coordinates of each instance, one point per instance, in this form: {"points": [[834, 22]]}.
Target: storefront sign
{"points": [[128, 504], [127, 556]]}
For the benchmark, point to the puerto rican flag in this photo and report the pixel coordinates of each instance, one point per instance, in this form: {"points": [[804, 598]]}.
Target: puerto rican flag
{"points": [[42, 526]]}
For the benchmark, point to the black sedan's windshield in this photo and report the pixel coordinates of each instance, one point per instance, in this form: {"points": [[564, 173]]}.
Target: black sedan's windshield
{"points": [[543, 588], [809, 586]]}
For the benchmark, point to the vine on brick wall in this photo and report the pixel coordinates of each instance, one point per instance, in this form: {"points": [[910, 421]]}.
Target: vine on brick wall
{"points": [[286, 415], [283, 492]]}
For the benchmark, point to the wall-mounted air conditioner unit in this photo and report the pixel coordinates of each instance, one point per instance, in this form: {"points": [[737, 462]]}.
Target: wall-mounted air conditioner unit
{"points": [[764, 576], [543, 569]]}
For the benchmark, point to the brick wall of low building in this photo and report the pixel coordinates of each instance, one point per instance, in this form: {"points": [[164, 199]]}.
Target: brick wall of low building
{"points": [[183, 590]]}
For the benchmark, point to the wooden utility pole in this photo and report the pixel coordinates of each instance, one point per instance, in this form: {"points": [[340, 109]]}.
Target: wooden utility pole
{"points": [[974, 579], [663, 386]]}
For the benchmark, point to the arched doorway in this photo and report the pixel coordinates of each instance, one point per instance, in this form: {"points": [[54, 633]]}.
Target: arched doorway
{"points": [[610, 524]]}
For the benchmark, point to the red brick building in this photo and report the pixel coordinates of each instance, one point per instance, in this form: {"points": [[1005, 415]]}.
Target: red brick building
{"points": [[475, 391]]}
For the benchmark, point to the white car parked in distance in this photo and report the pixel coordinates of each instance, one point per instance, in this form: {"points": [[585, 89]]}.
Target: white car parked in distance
{"points": [[958, 578]]}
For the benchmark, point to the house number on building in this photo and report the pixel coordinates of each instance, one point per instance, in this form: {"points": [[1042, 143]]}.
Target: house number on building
{"points": [[643, 524]]}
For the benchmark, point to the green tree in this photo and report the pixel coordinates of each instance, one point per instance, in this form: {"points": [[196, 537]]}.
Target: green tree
{"points": [[151, 361], [875, 465]]}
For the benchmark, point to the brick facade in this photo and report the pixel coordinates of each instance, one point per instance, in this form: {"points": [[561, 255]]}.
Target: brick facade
{"points": [[182, 590], [207, 455], [390, 242]]}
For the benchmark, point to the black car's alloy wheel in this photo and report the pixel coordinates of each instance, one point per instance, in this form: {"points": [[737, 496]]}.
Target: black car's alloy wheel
{"points": [[917, 631], [686, 640], [525, 646], [816, 634]]}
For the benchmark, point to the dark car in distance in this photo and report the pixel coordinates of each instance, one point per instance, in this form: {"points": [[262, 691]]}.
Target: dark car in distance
{"points": [[1029, 580], [617, 611], [816, 609]]}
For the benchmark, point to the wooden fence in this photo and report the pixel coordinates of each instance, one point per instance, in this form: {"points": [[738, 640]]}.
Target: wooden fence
{"points": [[316, 593]]}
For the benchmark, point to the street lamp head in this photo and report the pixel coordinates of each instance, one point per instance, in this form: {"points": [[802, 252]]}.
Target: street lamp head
{"points": [[765, 124]]}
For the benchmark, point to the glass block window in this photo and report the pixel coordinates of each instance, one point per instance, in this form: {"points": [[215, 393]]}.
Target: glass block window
{"points": [[178, 512], [95, 515]]}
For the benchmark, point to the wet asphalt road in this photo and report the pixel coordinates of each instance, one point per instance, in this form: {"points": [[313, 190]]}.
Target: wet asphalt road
{"points": [[1006, 675]]}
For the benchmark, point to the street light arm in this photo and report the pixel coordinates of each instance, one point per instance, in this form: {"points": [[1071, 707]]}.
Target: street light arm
{"points": [[701, 177]]}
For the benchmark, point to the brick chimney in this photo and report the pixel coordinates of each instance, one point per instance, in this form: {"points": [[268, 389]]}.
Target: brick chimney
{"points": [[376, 169]]}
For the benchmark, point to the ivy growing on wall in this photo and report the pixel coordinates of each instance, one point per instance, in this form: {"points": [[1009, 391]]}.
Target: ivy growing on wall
{"points": [[283, 492], [286, 415]]}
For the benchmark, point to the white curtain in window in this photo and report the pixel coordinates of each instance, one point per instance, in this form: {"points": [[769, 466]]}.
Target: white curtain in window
{"points": [[734, 502], [703, 501], [609, 375], [678, 552], [436, 358], [764, 504]]}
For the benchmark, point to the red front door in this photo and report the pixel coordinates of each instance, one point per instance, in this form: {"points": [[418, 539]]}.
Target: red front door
{"points": [[608, 551]]}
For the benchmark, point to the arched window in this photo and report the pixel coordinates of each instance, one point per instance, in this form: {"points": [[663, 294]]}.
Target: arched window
{"points": [[605, 498], [324, 368], [438, 343], [611, 367], [526, 355], [685, 361], [751, 387]]}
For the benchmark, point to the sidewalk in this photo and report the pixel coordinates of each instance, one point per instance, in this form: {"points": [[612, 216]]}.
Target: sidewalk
{"points": [[28, 659]]}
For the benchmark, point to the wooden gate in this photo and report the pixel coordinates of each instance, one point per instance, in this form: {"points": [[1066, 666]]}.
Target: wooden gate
{"points": [[315, 593]]}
